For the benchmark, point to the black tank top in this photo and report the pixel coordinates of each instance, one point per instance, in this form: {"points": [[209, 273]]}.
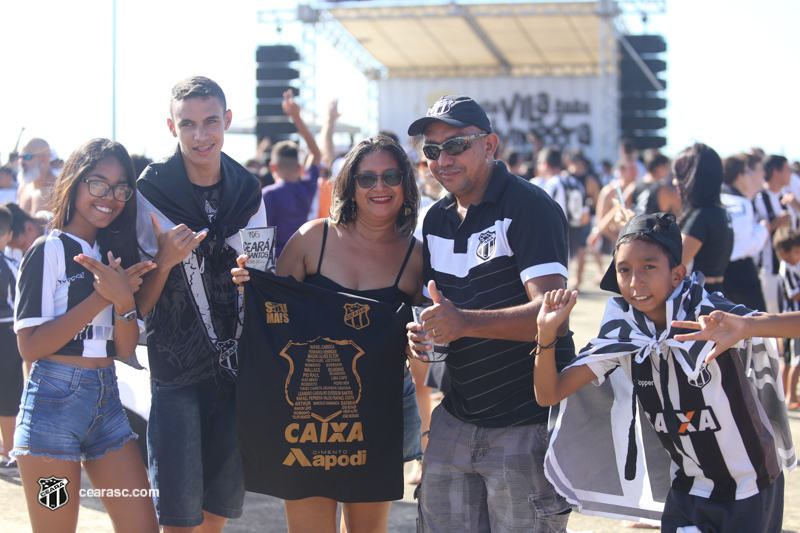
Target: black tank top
{"points": [[390, 295], [645, 197]]}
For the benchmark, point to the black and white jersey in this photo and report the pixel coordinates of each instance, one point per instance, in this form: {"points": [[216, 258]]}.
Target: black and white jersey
{"points": [[9, 270], [568, 193], [789, 288], [790, 282], [768, 205], [749, 236], [50, 283], [516, 233], [722, 447]]}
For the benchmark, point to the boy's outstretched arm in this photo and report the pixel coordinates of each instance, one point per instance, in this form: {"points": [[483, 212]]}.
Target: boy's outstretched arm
{"points": [[726, 329], [549, 386]]}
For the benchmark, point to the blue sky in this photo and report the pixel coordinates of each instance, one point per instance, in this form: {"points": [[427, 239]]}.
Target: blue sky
{"points": [[733, 80]]}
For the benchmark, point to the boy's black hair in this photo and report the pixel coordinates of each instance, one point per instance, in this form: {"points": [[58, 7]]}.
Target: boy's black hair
{"points": [[654, 159], [733, 167], [785, 238], [646, 238], [772, 164], [657, 228], [552, 156], [5, 221], [18, 218]]}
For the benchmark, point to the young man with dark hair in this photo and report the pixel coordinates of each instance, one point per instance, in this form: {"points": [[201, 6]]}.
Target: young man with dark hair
{"points": [[776, 209], [191, 207], [653, 194], [740, 185], [568, 193], [491, 248]]}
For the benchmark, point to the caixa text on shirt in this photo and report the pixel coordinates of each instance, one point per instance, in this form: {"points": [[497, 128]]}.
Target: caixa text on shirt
{"points": [[328, 432], [689, 422]]}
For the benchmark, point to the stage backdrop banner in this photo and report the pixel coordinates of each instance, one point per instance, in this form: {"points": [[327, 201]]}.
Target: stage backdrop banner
{"points": [[319, 392]]}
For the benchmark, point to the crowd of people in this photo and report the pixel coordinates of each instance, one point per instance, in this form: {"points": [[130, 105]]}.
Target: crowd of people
{"points": [[105, 249]]}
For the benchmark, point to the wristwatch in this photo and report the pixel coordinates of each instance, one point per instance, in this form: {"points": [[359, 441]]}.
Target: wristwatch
{"points": [[127, 317]]}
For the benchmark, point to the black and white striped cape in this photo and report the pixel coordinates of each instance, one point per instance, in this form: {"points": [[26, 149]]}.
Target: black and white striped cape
{"points": [[586, 460]]}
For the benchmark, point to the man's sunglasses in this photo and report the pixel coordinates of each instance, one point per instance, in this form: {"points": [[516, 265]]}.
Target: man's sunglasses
{"points": [[452, 146], [27, 157], [99, 189], [391, 178]]}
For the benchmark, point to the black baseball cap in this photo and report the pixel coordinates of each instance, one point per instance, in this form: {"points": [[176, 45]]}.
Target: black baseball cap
{"points": [[661, 227], [454, 109]]}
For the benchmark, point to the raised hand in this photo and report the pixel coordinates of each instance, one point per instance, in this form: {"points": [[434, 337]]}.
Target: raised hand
{"points": [[110, 281], [175, 244], [333, 110], [556, 307], [240, 274], [723, 328], [442, 320], [289, 106]]}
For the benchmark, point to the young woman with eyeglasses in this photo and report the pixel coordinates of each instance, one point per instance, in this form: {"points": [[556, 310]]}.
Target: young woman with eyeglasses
{"points": [[75, 312], [365, 248]]}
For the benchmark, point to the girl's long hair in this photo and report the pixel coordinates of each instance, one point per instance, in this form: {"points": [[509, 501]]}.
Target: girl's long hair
{"points": [[119, 237], [698, 170]]}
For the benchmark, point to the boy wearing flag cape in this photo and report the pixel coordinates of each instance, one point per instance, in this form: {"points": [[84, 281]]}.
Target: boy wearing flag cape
{"points": [[721, 420]]}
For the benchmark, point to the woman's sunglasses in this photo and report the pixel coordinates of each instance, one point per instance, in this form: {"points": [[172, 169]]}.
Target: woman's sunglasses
{"points": [[99, 189], [391, 178], [452, 146]]}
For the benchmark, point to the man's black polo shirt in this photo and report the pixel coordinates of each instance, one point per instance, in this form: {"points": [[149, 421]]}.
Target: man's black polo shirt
{"points": [[516, 233]]}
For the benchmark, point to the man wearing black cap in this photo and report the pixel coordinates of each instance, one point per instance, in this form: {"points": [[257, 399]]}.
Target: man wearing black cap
{"points": [[492, 247]]}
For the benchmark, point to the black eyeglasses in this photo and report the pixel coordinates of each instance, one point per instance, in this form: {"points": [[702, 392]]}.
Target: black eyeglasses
{"points": [[391, 178], [99, 189], [452, 146]]}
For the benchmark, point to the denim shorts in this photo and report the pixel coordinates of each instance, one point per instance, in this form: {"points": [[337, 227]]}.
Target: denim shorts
{"points": [[412, 424], [194, 456], [487, 479], [70, 413]]}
